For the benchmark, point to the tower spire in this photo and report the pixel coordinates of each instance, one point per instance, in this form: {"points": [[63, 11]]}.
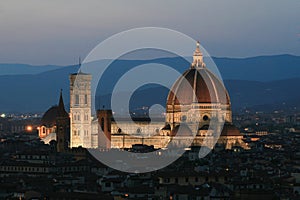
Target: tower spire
{"points": [[61, 106], [61, 101], [198, 57]]}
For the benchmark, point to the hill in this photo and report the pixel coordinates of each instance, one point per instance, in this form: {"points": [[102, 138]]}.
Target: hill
{"points": [[265, 80]]}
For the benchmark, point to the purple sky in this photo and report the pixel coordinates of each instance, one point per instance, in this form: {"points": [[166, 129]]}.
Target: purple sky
{"points": [[59, 31]]}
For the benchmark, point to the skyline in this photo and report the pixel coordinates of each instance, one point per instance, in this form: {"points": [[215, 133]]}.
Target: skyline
{"points": [[55, 32]]}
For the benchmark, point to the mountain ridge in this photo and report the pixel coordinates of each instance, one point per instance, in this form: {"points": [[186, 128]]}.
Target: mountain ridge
{"points": [[244, 80]]}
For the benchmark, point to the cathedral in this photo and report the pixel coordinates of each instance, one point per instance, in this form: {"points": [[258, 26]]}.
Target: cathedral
{"points": [[198, 105]]}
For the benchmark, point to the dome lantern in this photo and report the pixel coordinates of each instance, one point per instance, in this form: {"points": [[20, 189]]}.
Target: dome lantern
{"points": [[198, 58]]}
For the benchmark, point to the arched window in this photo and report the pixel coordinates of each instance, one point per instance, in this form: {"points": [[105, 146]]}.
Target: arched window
{"points": [[205, 118], [76, 99], [85, 99], [119, 130], [102, 124]]}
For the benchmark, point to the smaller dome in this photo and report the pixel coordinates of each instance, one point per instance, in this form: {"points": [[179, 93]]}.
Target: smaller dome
{"points": [[230, 130], [49, 118], [185, 131]]}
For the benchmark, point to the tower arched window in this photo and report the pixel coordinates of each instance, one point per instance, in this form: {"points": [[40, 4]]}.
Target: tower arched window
{"points": [[85, 99], [76, 99], [102, 124]]}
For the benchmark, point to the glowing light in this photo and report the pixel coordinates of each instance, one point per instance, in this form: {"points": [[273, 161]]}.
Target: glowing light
{"points": [[3, 115], [28, 128]]}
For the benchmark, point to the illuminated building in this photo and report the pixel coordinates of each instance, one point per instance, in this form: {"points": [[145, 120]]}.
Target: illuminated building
{"points": [[197, 99], [80, 110]]}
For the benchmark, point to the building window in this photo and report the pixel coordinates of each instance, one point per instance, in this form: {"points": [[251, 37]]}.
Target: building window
{"points": [[85, 99], [205, 117], [102, 124], [76, 99]]}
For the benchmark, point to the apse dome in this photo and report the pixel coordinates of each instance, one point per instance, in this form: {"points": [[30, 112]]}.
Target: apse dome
{"points": [[49, 117], [230, 130]]}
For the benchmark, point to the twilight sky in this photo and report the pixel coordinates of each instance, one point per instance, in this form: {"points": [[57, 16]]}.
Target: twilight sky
{"points": [[59, 31]]}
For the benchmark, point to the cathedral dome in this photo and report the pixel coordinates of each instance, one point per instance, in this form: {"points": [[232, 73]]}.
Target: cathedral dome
{"points": [[207, 89], [198, 85]]}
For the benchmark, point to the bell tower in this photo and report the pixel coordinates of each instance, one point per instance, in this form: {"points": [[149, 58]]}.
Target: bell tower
{"points": [[62, 126], [80, 110]]}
